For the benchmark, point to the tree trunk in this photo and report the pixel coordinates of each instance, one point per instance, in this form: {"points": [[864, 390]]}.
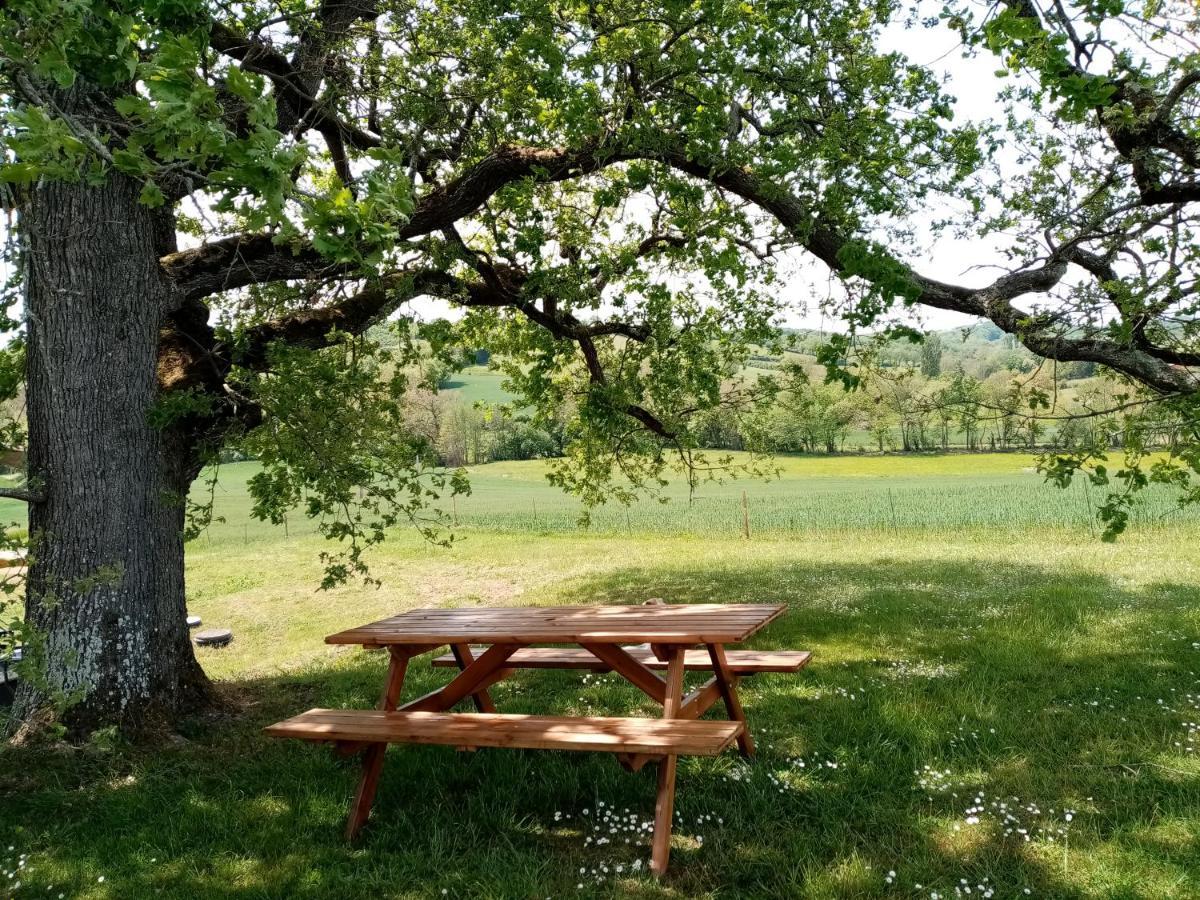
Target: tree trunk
{"points": [[105, 594]]}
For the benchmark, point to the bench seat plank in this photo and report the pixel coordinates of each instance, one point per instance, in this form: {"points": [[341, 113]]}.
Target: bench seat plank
{"points": [[595, 733], [741, 662]]}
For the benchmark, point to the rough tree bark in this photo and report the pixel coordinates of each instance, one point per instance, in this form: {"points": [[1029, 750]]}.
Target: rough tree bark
{"points": [[105, 593]]}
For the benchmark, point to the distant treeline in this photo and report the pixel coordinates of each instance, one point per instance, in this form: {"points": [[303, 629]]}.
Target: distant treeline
{"points": [[975, 389], [910, 411]]}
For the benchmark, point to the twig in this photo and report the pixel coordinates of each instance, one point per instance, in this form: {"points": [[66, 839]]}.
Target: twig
{"points": [[1131, 767], [84, 134]]}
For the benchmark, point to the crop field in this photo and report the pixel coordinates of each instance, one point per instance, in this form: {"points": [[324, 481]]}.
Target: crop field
{"points": [[808, 495], [813, 494]]}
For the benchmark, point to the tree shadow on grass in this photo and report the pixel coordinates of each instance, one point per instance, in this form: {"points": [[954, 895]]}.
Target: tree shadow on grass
{"points": [[1019, 685]]}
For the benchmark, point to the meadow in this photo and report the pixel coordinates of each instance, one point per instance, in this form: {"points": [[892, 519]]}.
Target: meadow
{"points": [[929, 493], [478, 384], [999, 702]]}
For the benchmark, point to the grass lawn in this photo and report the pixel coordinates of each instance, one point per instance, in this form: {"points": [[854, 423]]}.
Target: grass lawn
{"points": [[1004, 710]]}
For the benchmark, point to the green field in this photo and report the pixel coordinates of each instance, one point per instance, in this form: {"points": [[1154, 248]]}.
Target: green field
{"points": [[1006, 709], [809, 494], [931, 493], [478, 384]]}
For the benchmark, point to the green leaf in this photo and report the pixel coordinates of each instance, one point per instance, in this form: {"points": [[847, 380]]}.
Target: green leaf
{"points": [[151, 195]]}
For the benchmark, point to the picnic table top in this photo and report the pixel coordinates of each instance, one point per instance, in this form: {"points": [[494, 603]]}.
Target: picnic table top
{"points": [[698, 623]]}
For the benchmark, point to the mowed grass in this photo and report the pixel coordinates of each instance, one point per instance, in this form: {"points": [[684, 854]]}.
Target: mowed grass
{"points": [[956, 670]]}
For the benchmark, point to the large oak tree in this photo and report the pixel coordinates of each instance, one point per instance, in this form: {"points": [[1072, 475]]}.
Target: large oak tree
{"points": [[214, 202]]}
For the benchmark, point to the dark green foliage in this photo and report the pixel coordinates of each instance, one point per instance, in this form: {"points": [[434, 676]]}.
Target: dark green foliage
{"points": [[931, 356]]}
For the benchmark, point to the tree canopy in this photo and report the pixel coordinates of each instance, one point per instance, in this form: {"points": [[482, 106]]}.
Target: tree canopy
{"points": [[607, 189]]}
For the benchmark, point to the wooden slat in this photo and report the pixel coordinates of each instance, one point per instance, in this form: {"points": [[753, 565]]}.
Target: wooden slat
{"points": [[699, 623], [701, 700], [594, 733], [741, 662]]}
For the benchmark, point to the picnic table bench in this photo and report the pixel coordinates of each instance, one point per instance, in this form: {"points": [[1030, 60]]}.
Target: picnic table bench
{"points": [[488, 644]]}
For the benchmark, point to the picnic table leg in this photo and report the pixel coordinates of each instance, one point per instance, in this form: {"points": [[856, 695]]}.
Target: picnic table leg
{"points": [[397, 667], [464, 657], [487, 669], [372, 763], [664, 804], [733, 704]]}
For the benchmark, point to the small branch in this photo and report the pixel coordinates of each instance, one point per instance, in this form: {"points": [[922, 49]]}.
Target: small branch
{"points": [[1176, 93], [650, 421], [84, 134], [305, 110], [25, 494]]}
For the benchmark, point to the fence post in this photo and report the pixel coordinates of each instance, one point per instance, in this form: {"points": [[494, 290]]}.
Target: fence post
{"points": [[745, 517]]}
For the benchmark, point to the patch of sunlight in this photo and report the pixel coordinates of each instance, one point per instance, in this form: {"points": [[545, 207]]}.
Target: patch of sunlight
{"points": [[202, 806], [1172, 767], [954, 839], [847, 877], [1176, 835], [267, 807], [1110, 869]]}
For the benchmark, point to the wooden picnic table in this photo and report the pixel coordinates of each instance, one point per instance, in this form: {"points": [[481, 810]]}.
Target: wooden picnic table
{"points": [[675, 637]]}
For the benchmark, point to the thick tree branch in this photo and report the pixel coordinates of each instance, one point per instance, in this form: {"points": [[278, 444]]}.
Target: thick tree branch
{"points": [[1041, 335], [297, 81], [245, 259], [354, 314], [1175, 192], [1141, 124], [241, 260], [1185, 83]]}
